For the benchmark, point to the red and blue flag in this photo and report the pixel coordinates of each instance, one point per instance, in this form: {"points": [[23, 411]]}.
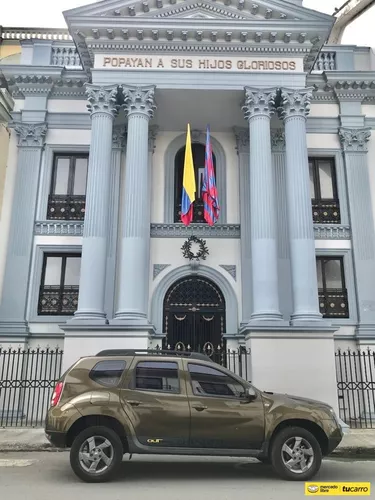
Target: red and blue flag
{"points": [[211, 208]]}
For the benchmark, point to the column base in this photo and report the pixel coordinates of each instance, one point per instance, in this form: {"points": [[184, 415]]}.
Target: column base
{"points": [[89, 317], [295, 361], [130, 319], [303, 318], [267, 316]]}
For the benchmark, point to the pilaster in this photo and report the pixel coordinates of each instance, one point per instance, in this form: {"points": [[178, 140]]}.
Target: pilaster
{"points": [[242, 144], [283, 248], [91, 302], [132, 309], [118, 147], [294, 111], [354, 144], [258, 109], [31, 139]]}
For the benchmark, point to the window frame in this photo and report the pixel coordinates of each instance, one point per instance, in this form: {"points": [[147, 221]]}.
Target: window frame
{"points": [[315, 160], [232, 398], [133, 382], [109, 361], [64, 256], [71, 175]]}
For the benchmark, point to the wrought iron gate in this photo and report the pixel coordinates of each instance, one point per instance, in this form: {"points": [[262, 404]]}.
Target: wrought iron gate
{"points": [[194, 316]]}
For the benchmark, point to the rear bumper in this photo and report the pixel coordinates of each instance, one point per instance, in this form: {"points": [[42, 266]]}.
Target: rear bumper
{"points": [[57, 439]]}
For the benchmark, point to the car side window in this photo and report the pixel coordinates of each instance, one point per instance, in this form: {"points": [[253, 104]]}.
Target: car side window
{"points": [[159, 376], [207, 381], [108, 373]]}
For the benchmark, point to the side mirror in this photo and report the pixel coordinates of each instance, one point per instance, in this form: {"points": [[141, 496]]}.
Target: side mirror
{"points": [[249, 396]]}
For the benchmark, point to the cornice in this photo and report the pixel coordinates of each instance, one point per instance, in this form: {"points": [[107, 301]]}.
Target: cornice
{"points": [[165, 46], [200, 230]]}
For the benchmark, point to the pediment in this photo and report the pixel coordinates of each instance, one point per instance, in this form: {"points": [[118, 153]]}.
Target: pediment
{"points": [[268, 10]]}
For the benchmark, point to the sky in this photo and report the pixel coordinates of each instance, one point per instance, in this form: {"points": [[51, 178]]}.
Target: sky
{"points": [[48, 14]]}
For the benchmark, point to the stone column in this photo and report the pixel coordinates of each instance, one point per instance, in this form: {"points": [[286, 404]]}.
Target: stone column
{"points": [[31, 139], [242, 143], [135, 242], [354, 144], [294, 111], [103, 107], [258, 108]]}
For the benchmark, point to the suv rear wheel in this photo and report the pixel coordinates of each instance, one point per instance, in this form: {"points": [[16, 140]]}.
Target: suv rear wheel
{"points": [[296, 454], [96, 454]]}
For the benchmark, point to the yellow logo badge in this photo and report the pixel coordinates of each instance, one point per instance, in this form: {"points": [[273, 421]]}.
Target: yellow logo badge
{"points": [[154, 441], [338, 489]]}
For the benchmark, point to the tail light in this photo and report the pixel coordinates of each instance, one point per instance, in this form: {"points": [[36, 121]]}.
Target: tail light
{"points": [[56, 396]]}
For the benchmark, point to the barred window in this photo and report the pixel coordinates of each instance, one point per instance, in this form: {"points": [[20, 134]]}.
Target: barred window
{"points": [[333, 296], [59, 284]]}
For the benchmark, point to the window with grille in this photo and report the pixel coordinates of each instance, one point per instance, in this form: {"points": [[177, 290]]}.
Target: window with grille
{"points": [[323, 188], [59, 285], [333, 296], [68, 187], [198, 151]]}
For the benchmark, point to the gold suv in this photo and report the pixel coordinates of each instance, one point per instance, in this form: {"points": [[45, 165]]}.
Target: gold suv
{"points": [[176, 403]]}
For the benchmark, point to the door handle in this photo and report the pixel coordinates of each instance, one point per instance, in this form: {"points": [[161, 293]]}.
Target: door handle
{"points": [[133, 403], [199, 407]]}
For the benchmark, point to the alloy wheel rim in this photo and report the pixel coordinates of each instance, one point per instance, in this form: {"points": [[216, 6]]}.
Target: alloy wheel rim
{"points": [[96, 454], [297, 455]]}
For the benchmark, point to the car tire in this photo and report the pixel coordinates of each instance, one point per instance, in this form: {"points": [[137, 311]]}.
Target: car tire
{"points": [[301, 449], [99, 448]]}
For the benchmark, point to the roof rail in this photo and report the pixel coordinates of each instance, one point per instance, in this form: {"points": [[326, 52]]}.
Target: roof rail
{"points": [[154, 352]]}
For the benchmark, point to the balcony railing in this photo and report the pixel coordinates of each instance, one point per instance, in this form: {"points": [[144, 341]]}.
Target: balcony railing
{"points": [[326, 61], [66, 56], [66, 207], [334, 303], [57, 300], [326, 212]]}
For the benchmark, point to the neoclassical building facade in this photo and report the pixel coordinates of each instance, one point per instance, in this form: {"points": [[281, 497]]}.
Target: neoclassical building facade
{"points": [[93, 253]]}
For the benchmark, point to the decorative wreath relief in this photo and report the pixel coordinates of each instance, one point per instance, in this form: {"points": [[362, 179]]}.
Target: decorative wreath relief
{"points": [[188, 247]]}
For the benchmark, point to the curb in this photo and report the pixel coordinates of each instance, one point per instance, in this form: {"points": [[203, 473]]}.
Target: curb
{"points": [[357, 452]]}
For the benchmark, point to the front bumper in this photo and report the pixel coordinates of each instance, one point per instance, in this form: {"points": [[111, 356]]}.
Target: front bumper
{"points": [[334, 439]]}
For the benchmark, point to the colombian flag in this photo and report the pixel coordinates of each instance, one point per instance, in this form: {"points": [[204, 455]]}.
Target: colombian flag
{"points": [[188, 183]]}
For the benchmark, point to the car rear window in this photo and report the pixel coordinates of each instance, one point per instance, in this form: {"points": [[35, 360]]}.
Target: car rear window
{"points": [[108, 373]]}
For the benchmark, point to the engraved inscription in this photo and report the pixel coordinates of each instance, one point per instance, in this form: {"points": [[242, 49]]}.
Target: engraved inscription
{"points": [[196, 63]]}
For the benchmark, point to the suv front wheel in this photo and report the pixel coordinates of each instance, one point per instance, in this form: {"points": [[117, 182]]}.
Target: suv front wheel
{"points": [[296, 454], [96, 454]]}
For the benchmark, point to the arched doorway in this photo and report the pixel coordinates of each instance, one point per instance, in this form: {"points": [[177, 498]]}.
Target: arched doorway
{"points": [[198, 151], [194, 315]]}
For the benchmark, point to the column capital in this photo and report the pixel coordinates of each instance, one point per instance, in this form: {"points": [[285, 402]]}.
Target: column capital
{"points": [[119, 137], [242, 139], [295, 102], [152, 133], [278, 139], [354, 139], [259, 102], [102, 99], [140, 100], [30, 134]]}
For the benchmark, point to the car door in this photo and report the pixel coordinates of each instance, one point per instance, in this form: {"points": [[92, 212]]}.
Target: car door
{"points": [[221, 415], [155, 401]]}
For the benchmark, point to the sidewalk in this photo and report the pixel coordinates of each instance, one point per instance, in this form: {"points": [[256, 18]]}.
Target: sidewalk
{"points": [[356, 442]]}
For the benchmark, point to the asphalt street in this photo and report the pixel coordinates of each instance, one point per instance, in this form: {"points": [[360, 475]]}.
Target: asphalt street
{"points": [[46, 475]]}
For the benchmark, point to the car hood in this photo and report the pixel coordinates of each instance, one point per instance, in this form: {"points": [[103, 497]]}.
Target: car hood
{"points": [[295, 401]]}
